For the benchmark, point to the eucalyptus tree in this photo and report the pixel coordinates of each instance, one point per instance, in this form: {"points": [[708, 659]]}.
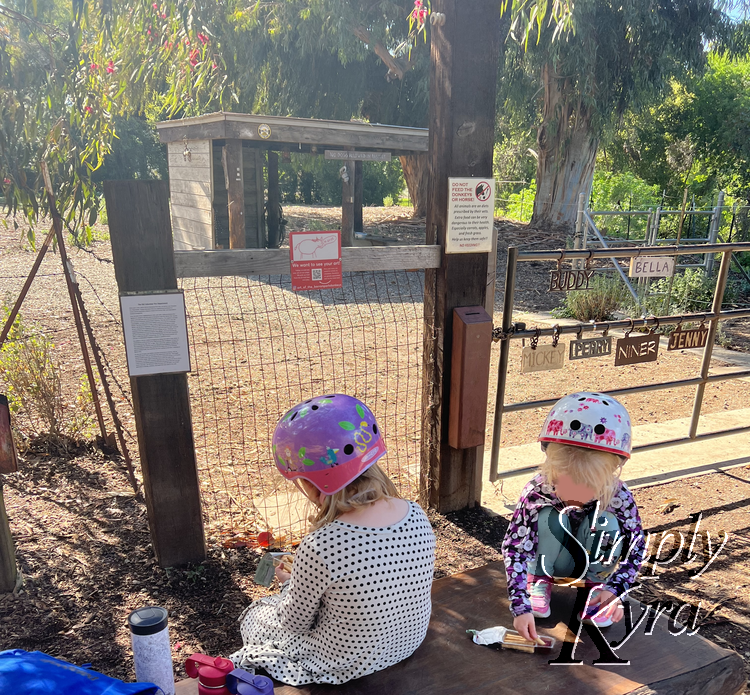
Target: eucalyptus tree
{"points": [[620, 55]]}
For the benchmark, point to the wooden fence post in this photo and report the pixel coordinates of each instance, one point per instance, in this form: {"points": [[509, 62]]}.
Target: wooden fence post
{"points": [[141, 235], [359, 190], [234, 178], [464, 57], [274, 200]]}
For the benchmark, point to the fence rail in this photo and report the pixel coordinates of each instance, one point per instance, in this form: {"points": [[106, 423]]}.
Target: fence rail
{"points": [[511, 331]]}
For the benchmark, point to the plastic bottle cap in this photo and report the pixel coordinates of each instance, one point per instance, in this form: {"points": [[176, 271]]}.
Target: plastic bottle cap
{"points": [[148, 620]]}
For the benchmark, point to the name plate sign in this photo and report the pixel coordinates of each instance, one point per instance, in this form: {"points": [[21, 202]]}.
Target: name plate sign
{"points": [[691, 338], [634, 349], [351, 155], [566, 280], [590, 347], [542, 358], [651, 267]]}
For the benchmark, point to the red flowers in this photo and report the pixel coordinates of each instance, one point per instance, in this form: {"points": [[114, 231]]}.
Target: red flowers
{"points": [[193, 57], [419, 13], [203, 38], [87, 109], [110, 67], [93, 67]]}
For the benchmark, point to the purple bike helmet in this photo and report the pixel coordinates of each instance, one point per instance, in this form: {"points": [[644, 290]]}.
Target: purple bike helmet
{"points": [[328, 440]]}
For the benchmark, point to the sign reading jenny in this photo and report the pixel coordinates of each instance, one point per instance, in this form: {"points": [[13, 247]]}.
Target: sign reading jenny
{"points": [[590, 347], [542, 358], [651, 267], [637, 348], [315, 259], [471, 215], [358, 156], [155, 332], [692, 338]]}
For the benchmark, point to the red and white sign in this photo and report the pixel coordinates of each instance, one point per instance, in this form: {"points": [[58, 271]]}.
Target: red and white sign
{"points": [[316, 260], [471, 211]]}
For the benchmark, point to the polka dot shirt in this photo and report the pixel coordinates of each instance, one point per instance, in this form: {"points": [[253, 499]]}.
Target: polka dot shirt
{"points": [[358, 601]]}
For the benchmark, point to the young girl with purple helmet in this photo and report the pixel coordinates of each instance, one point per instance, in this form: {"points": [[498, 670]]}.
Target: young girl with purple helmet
{"points": [[358, 597], [576, 518]]}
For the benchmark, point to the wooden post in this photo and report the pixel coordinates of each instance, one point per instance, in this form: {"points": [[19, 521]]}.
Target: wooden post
{"points": [[274, 200], [8, 571], [464, 56], [359, 191], [348, 178], [141, 236], [231, 158]]}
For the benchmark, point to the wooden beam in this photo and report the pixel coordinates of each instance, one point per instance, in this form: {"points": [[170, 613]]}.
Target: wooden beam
{"points": [[141, 237], [234, 180], [274, 200], [347, 203], [199, 264], [464, 58], [8, 571], [359, 191]]}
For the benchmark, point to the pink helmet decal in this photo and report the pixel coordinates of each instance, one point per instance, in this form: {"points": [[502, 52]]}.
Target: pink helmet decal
{"points": [[589, 420], [328, 440]]}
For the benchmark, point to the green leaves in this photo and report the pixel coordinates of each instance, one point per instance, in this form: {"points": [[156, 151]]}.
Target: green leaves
{"points": [[348, 426]]}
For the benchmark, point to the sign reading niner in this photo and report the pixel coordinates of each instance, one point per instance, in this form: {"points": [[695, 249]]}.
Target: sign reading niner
{"points": [[634, 349]]}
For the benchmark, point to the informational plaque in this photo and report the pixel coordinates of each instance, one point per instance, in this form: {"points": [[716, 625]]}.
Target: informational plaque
{"points": [[651, 267], [155, 329], [471, 215], [358, 156], [542, 358], [315, 258]]}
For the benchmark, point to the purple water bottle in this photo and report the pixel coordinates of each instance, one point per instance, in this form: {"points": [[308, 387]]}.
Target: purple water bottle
{"points": [[244, 683]]}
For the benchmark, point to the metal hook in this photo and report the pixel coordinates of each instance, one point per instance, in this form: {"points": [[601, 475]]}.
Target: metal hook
{"points": [[579, 332], [605, 332], [561, 259], [630, 330], [588, 260], [535, 339], [555, 335], [656, 327]]}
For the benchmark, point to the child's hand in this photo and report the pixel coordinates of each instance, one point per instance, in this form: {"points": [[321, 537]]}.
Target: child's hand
{"points": [[282, 575], [614, 609], [524, 625]]}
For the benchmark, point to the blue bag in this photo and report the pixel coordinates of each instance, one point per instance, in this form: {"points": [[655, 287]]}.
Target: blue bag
{"points": [[37, 673]]}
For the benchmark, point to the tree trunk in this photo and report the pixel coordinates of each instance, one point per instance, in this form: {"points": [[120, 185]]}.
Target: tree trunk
{"points": [[416, 168], [567, 145]]}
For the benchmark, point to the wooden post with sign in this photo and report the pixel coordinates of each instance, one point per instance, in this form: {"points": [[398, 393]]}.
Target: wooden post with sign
{"points": [[141, 235], [231, 158], [464, 58], [274, 200]]}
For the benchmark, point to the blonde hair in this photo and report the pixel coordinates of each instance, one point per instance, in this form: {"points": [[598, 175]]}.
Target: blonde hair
{"points": [[371, 486], [598, 470]]}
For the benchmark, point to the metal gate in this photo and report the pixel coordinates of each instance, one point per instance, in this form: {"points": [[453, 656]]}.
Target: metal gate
{"points": [[512, 331]]}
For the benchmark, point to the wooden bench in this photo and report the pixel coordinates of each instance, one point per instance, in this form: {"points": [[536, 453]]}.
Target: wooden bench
{"points": [[448, 662]]}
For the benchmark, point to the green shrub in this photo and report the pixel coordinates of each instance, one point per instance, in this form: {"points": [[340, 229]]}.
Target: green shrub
{"points": [[598, 303], [32, 380]]}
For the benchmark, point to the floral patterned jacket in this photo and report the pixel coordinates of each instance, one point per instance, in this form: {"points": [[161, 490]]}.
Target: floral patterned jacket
{"points": [[519, 546]]}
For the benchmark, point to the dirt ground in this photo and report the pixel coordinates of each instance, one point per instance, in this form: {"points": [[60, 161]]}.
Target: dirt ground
{"points": [[84, 551]]}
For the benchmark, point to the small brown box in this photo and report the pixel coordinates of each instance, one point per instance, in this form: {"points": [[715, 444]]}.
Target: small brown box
{"points": [[470, 374]]}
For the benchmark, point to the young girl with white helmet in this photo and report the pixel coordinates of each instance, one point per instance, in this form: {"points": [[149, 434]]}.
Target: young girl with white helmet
{"points": [[358, 596], [576, 500]]}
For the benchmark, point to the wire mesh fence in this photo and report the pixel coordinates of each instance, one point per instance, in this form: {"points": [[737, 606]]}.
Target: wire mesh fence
{"points": [[257, 348]]}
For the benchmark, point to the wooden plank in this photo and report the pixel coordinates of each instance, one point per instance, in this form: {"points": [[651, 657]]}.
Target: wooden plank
{"points": [[276, 261], [195, 159], [201, 131], [142, 250], [189, 200], [234, 182], [200, 229], [190, 240], [8, 571], [274, 200], [195, 147], [464, 58], [448, 662], [348, 181], [196, 188], [189, 213], [202, 174], [260, 211]]}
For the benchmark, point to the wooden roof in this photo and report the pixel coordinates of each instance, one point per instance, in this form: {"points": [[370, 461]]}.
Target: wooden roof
{"points": [[295, 133]]}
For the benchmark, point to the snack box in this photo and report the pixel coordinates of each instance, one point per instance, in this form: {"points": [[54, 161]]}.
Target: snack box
{"points": [[512, 640]]}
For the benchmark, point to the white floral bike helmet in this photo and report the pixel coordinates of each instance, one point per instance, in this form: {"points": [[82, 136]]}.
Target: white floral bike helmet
{"points": [[589, 420]]}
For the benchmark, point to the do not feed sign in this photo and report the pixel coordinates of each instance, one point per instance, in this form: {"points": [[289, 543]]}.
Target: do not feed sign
{"points": [[471, 215]]}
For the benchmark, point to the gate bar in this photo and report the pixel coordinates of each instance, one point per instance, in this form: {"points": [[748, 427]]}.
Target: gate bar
{"points": [[633, 252], [502, 369]]}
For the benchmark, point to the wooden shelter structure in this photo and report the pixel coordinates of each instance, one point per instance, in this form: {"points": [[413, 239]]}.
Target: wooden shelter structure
{"points": [[224, 172]]}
